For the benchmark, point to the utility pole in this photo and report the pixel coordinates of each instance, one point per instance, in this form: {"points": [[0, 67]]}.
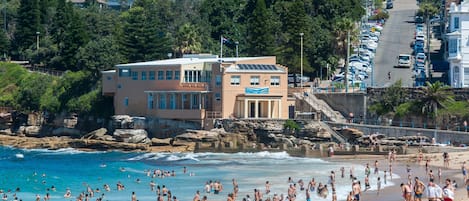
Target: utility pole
{"points": [[428, 46], [346, 62], [301, 59]]}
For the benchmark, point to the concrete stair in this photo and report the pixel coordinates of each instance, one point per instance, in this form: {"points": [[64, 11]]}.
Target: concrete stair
{"points": [[319, 105]]}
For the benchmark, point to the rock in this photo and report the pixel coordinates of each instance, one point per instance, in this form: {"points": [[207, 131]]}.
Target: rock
{"points": [[95, 134], [106, 138], [35, 119], [71, 121], [122, 121], [66, 132], [6, 132], [138, 123], [198, 136], [161, 142], [323, 133], [32, 131], [131, 135]]}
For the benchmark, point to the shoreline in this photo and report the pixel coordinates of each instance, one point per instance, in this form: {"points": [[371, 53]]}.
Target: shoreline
{"points": [[393, 193]]}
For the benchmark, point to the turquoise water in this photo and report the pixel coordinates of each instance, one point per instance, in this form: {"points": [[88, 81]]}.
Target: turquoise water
{"points": [[64, 169]]}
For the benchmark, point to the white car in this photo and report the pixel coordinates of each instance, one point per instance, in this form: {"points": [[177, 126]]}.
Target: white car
{"points": [[404, 60], [420, 58], [420, 37]]}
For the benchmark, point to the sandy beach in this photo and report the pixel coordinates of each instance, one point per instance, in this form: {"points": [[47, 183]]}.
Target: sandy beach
{"points": [[394, 193]]}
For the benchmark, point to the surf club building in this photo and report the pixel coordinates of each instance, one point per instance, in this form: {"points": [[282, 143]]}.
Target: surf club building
{"points": [[200, 87]]}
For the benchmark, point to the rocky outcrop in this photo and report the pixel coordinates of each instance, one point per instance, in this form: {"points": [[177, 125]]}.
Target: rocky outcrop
{"points": [[122, 121], [66, 132], [161, 142], [131, 135], [95, 134], [198, 136], [32, 131]]}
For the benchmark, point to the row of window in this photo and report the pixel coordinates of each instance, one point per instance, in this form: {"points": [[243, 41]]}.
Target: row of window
{"points": [[162, 75], [254, 80]]}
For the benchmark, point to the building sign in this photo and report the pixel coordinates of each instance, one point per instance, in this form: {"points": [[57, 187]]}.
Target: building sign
{"points": [[259, 90]]}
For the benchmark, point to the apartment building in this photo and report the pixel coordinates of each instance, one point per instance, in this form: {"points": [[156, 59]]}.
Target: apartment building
{"points": [[458, 44]]}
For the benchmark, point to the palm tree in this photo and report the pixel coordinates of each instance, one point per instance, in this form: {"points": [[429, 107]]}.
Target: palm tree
{"points": [[341, 29], [188, 40], [435, 96]]}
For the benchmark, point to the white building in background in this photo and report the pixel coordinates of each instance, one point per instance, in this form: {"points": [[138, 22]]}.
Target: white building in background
{"points": [[458, 44]]}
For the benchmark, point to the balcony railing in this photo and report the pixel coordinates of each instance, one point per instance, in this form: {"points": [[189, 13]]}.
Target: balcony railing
{"points": [[195, 85]]}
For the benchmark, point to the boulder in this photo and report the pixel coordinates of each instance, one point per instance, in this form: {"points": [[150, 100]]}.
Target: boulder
{"points": [[161, 142], [106, 138], [66, 132], [95, 134], [198, 136], [6, 132], [131, 135], [138, 123], [122, 121], [323, 133], [32, 131]]}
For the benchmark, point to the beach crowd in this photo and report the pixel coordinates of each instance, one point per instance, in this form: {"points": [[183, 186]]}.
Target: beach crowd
{"points": [[432, 186]]}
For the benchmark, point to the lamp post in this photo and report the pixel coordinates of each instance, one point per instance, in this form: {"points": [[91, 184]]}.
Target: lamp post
{"points": [[170, 55], [37, 40], [301, 59], [236, 43]]}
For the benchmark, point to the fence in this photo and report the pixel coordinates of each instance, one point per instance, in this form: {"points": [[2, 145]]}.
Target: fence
{"points": [[44, 70], [460, 127]]}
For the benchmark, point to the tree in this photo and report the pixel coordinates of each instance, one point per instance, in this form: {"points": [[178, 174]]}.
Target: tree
{"points": [[435, 96], [28, 24], [98, 55], [260, 31], [188, 40], [69, 35], [294, 21]]}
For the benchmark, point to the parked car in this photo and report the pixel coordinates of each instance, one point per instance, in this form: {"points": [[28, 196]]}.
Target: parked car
{"points": [[420, 58], [389, 4], [420, 37]]}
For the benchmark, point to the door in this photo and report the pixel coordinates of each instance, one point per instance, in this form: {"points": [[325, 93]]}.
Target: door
{"points": [[252, 110]]}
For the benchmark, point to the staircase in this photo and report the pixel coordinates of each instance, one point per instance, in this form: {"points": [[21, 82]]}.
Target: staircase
{"points": [[335, 135], [319, 105]]}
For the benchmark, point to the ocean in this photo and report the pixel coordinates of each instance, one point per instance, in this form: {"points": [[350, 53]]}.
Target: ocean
{"points": [[40, 169]]}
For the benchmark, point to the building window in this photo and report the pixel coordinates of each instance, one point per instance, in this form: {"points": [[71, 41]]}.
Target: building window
{"points": [[126, 101], [144, 75], [124, 72], [152, 75], [254, 80], [456, 23], [466, 77], [160, 75], [453, 46], [192, 76], [163, 101], [150, 101], [134, 75], [172, 101], [177, 74], [169, 75], [217, 96], [275, 81], [235, 80], [218, 80]]}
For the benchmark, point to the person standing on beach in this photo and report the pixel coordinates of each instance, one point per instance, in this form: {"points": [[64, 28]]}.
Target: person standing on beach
{"points": [[464, 171], [267, 187], [342, 170], [439, 175], [378, 184], [434, 192], [356, 189], [384, 177], [312, 185], [446, 159], [406, 192], [367, 170], [420, 157], [196, 196], [448, 191], [376, 167], [419, 188], [467, 187], [134, 197]]}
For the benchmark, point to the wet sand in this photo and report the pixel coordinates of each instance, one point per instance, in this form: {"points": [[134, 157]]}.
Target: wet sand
{"points": [[394, 193]]}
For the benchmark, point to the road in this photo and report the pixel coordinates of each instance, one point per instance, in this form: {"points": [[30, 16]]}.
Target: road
{"points": [[396, 37]]}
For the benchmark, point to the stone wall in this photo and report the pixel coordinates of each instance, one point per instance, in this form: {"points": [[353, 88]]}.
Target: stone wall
{"points": [[441, 136], [346, 103]]}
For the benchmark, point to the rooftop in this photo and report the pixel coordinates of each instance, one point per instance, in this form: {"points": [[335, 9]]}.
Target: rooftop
{"points": [[186, 61]]}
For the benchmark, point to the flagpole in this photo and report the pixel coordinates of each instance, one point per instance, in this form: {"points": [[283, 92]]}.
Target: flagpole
{"points": [[221, 47]]}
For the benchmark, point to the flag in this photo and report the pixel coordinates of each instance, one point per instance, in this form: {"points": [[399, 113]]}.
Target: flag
{"points": [[224, 40]]}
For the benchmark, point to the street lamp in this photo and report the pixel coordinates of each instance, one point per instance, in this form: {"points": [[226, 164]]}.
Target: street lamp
{"points": [[37, 40], [237, 43], [301, 59]]}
